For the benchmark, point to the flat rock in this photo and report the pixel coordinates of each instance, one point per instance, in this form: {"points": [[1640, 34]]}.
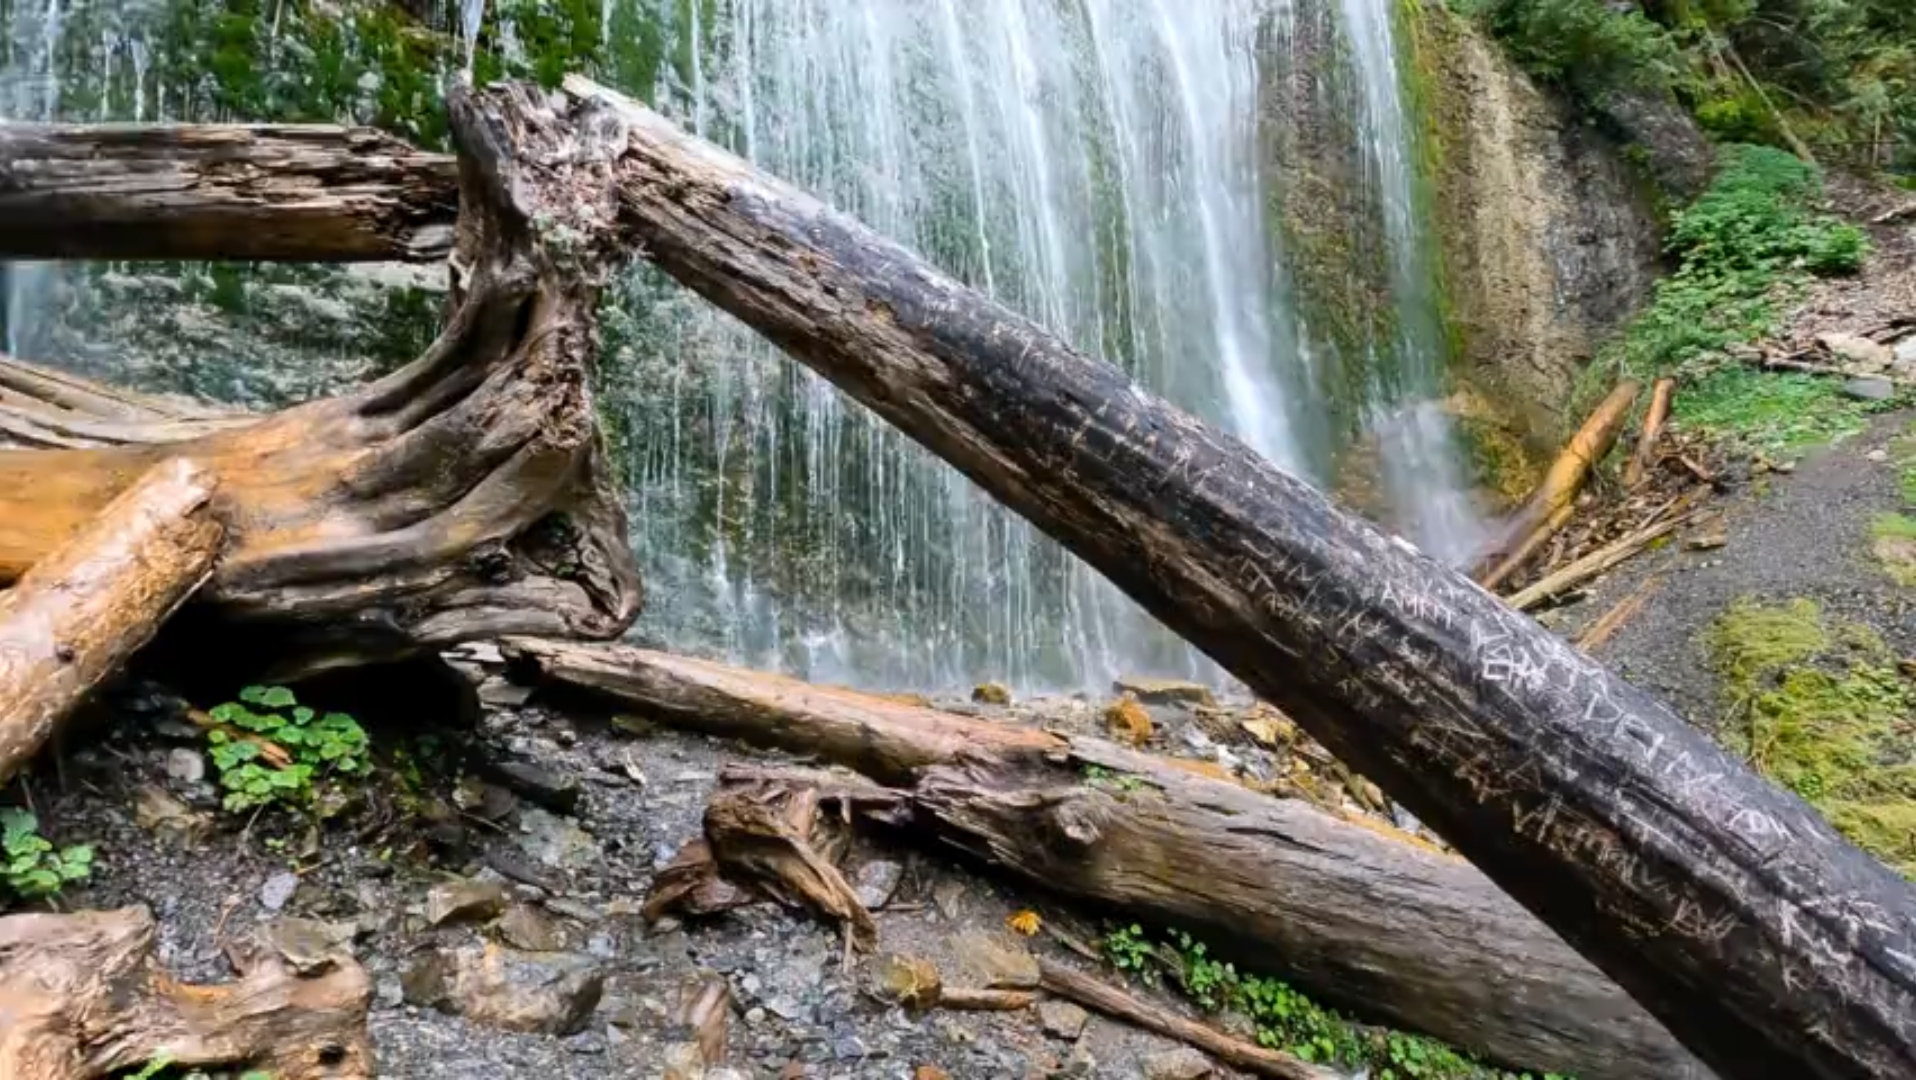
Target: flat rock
{"points": [[1183, 1063], [278, 890], [1165, 691], [549, 788], [1906, 353], [464, 900], [525, 927], [876, 881], [554, 841], [185, 766], [547, 993], [1870, 388], [995, 960], [903, 980], [1062, 1018], [1857, 351]]}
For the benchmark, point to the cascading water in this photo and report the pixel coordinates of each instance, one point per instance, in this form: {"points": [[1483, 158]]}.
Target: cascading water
{"points": [[1106, 167]]}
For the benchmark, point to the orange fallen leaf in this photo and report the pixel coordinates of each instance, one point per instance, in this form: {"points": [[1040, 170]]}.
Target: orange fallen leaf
{"points": [[1025, 922]]}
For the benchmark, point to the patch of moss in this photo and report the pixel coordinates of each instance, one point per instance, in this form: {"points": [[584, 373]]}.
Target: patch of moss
{"points": [[1822, 710], [1893, 539]]}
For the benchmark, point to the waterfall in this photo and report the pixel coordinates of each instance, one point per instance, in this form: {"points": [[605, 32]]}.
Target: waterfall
{"points": [[1153, 180]]}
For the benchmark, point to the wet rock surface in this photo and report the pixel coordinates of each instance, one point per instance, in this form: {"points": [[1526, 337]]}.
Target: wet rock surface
{"points": [[504, 938]]}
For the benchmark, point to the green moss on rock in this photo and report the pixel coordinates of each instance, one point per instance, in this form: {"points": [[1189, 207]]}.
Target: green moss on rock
{"points": [[1821, 708]]}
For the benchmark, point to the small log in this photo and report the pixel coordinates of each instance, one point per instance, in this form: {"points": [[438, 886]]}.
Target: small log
{"points": [[1596, 562], [973, 999], [81, 997], [1638, 467], [72, 619], [1604, 628], [1353, 911], [268, 192], [1115, 1003], [1555, 500]]}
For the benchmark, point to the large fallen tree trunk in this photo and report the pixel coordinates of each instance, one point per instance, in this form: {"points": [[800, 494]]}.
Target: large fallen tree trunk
{"points": [[1764, 940], [1352, 911], [462, 496], [73, 618], [82, 999], [312, 194]]}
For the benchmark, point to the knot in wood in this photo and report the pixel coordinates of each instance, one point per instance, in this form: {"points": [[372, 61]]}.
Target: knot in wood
{"points": [[1079, 817]]}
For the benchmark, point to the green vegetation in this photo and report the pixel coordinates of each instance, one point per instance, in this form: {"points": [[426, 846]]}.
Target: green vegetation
{"points": [[1743, 248], [1894, 541], [34, 868], [161, 1068], [1838, 76], [1288, 1020], [1100, 777], [1820, 708], [320, 747]]}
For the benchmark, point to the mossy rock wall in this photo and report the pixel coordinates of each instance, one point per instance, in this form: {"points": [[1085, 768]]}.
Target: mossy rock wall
{"points": [[1549, 230]]}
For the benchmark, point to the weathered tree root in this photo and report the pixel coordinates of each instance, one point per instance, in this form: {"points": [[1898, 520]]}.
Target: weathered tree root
{"points": [[81, 997], [462, 497]]}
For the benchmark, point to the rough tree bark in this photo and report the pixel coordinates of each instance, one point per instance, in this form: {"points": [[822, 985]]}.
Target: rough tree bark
{"points": [[304, 193], [463, 496], [1354, 912], [1761, 937], [81, 998], [77, 614]]}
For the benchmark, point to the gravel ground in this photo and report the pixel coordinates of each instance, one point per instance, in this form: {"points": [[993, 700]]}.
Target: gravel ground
{"points": [[1807, 537], [796, 1012]]}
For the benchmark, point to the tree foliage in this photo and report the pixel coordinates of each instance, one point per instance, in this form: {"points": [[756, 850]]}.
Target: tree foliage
{"points": [[1839, 74]]}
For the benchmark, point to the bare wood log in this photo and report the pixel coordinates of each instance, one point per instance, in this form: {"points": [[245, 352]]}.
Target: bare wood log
{"points": [[1353, 911], [973, 999], [1596, 562], [1555, 500], [74, 617], [270, 192], [1766, 941], [82, 998], [1115, 1003], [1661, 393], [463, 496], [1605, 628]]}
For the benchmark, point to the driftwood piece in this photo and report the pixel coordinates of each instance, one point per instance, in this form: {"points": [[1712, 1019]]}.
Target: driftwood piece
{"points": [[1598, 561], [696, 1038], [974, 999], [1353, 911], [1113, 1002], [763, 835], [1638, 467], [1555, 500], [72, 619], [460, 497], [1766, 940], [81, 998], [268, 192]]}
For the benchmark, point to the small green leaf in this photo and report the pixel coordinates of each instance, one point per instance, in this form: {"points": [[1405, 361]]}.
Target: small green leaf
{"points": [[277, 697]]}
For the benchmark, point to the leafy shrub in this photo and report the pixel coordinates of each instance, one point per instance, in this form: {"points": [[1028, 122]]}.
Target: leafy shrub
{"points": [[1288, 1020], [34, 868], [1586, 45], [321, 747]]}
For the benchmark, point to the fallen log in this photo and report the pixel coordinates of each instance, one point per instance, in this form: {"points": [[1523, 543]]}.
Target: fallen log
{"points": [[1764, 939], [1555, 500], [1661, 393], [463, 496], [313, 193], [1115, 1003], [1351, 911], [82, 998], [72, 619]]}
